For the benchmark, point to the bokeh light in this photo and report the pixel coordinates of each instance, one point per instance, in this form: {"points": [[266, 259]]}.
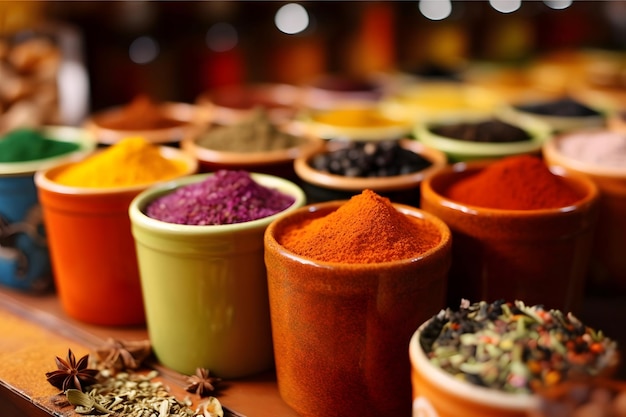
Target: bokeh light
{"points": [[291, 18], [143, 50], [435, 9], [558, 4], [222, 37], [505, 6]]}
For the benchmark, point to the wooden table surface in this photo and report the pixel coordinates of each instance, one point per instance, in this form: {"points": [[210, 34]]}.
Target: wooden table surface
{"points": [[34, 330]]}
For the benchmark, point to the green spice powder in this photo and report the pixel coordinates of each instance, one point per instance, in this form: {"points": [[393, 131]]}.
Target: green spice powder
{"points": [[24, 144]]}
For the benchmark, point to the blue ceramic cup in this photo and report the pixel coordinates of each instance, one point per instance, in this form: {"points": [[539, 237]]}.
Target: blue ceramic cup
{"points": [[24, 256]]}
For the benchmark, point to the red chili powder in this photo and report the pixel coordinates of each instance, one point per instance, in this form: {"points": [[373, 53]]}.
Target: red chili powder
{"points": [[366, 229], [514, 183]]}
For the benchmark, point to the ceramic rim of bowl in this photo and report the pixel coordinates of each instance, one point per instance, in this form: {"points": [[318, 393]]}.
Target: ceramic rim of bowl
{"points": [[42, 177], [559, 122], [396, 182], [555, 157], [469, 392], [186, 113], [538, 130], [445, 233], [476, 166], [203, 154], [141, 201], [82, 137]]}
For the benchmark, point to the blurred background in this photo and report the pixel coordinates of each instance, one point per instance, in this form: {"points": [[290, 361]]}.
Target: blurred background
{"points": [[111, 51]]}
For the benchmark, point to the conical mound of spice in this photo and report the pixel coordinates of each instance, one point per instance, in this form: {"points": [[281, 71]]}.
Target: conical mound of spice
{"points": [[131, 161], [366, 229], [515, 183]]}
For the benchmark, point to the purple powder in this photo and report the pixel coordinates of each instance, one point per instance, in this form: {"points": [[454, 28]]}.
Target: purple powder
{"points": [[226, 197]]}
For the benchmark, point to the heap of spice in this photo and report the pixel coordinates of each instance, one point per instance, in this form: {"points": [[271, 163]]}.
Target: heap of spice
{"points": [[132, 161], [254, 134], [598, 147], [25, 144], [493, 130], [226, 197], [515, 348], [522, 182], [142, 113], [365, 229], [356, 117], [370, 159]]}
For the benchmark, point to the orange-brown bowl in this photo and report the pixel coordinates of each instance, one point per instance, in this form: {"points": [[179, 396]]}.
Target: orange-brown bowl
{"points": [[539, 256], [323, 186], [340, 331]]}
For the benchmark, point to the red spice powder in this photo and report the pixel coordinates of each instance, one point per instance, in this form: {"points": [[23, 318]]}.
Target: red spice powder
{"points": [[366, 229], [514, 183]]}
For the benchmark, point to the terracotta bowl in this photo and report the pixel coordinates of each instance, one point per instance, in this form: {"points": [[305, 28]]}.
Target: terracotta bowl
{"points": [[463, 150], [340, 331], [322, 186], [608, 264], [353, 121], [183, 117], [229, 105], [277, 162], [438, 393], [509, 254], [89, 234]]}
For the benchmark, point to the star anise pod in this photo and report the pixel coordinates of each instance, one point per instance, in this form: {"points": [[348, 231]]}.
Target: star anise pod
{"points": [[119, 355], [202, 383], [72, 374]]}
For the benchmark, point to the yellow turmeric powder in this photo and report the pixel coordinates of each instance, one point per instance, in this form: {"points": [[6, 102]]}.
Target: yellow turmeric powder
{"points": [[356, 117], [131, 161]]}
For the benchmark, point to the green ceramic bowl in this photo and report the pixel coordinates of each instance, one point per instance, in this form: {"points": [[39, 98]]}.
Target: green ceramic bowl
{"points": [[205, 287], [462, 150]]}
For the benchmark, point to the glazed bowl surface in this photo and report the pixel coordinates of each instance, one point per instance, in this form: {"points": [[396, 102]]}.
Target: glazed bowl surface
{"points": [[458, 150], [215, 314], [340, 330], [608, 265], [25, 260], [324, 186], [89, 235], [108, 125], [508, 254], [438, 393]]}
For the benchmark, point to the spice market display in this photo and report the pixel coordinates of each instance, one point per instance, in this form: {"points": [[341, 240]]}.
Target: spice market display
{"points": [[163, 252]]}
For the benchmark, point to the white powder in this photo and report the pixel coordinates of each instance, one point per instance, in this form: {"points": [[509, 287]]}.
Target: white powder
{"points": [[605, 148]]}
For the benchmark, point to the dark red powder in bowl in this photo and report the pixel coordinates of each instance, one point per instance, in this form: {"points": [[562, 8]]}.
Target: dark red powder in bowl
{"points": [[226, 197]]}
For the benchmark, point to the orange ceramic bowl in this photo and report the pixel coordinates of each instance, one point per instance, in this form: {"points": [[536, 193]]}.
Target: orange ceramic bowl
{"points": [[438, 393], [340, 331], [608, 262], [181, 116], [539, 256], [277, 162], [92, 247], [227, 105], [323, 186]]}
